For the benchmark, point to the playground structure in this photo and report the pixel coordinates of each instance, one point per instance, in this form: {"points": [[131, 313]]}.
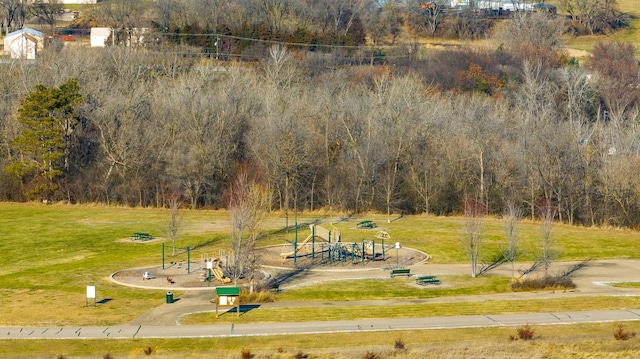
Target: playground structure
{"points": [[321, 250], [325, 245], [212, 268]]}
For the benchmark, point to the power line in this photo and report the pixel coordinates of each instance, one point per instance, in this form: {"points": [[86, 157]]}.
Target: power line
{"points": [[288, 43]]}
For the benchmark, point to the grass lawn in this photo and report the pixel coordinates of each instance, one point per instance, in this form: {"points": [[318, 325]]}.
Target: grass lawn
{"points": [[52, 252], [573, 341], [630, 34], [323, 313]]}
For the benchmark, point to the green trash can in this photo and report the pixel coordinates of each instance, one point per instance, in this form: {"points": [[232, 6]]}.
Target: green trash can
{"points": [[169, 297]]}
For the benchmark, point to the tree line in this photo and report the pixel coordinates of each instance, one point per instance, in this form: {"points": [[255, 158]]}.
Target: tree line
{"points": [[516, 123]]}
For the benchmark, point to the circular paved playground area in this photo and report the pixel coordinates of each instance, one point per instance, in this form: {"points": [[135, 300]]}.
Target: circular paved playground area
{"points": [[275, 266]]}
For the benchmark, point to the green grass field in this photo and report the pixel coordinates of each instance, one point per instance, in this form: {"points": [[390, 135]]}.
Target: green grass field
{"points": [[50, 253], [630, 34]]}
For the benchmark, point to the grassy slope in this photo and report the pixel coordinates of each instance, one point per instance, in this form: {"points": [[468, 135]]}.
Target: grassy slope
{"points": [[51, 253], [577, 341], [631, 34]]}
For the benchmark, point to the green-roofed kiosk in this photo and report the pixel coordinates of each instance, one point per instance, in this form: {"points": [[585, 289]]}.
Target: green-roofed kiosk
{"points": [[228, 296]]}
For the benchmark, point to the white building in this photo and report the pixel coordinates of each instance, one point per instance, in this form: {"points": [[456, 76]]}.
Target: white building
{"points": [[99, 36], [24, 43], [512, 5]]}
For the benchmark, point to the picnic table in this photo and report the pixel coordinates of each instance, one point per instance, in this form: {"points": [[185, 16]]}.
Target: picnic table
{"points": [[141, 236], [366, 224], [427, 279], [402, 271]]}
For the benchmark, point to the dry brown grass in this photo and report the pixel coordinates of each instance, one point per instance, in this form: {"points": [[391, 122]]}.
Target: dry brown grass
{"points": [[566, 341]]}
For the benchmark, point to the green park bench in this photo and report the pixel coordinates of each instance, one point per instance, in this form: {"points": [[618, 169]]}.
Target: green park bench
{"points": [[141, 236], [366, 224], [397, 272], [427, 279]]}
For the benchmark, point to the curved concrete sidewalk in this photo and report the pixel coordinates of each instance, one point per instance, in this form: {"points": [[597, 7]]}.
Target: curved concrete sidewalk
{"points": [[590, 280], [163, 321]]}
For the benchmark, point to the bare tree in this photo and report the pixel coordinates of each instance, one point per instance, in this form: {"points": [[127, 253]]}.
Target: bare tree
{"points": [[247, 202], [616, 74], [534, 38], [512, 251], [174, 202], [474, 212], [428, 16], [597, 16], [46, 10], [13, 14], [547, 252]]}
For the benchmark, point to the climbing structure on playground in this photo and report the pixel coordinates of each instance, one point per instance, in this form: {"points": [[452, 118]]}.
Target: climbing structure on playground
{"points": [[327, 245], [212, 269]]}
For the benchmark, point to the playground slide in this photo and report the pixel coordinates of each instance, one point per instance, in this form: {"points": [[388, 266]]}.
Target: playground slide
{"points": [[301, 245], [217, 272]]}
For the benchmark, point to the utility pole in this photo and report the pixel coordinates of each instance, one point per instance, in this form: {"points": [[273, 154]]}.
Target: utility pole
{"points": [[217, 46]]}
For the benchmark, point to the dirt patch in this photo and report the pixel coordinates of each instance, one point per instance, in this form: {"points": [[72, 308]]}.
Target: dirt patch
{"points": [[131, 240]]}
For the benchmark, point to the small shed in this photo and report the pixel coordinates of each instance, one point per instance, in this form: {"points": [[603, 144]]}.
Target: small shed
{"points": [[99, 36], [24, 43]]}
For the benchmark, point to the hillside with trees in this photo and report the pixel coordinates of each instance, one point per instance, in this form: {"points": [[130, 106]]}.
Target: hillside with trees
{"points": [[364, 122]]}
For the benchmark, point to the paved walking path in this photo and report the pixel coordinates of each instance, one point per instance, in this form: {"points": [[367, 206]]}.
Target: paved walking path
{"points": [[164, 320], [259, 329], [591, 280]]}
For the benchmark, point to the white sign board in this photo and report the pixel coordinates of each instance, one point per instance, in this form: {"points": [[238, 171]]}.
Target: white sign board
{"points": [[91, 292], [397, 245], [209, 265]]}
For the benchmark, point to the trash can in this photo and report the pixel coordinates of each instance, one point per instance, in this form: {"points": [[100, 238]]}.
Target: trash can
{"points": [[169, 297]]}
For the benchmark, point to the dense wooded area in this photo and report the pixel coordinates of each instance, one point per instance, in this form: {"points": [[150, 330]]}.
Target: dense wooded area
{"points": [[516, 123]]}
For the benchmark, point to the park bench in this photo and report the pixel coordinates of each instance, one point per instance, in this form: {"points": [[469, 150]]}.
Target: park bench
{"points": [[141, 236], [397, 272], [427, 279], [366, 224]]}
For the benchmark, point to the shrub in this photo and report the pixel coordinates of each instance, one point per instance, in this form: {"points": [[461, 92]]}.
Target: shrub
{"points": [[371, 355], [257, 297], [524, 332], [107, 356], [300, 355], [246, 354], [399, 345], [545, 282], [621, 334], [148, 350]]}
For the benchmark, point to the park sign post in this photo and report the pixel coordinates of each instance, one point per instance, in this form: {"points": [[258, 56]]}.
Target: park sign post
{"points": [[228, 296], [91, 294], [209, 268]]}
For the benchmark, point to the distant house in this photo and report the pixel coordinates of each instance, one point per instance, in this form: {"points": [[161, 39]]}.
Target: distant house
{"points": [[512, 5], [24, 43], [99, 36]]}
